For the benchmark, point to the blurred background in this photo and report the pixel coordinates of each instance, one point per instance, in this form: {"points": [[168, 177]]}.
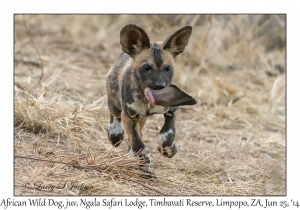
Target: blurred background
{"points": [[219, 43], [234, 65]]}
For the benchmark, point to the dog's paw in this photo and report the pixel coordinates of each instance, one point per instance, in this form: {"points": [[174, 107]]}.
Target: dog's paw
{"points": [[147, 174], [116, 139], [147, 171], [146, 164], [165, 139], [168, 151]]}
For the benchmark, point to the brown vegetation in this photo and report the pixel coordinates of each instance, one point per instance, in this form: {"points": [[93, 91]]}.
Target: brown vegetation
{"points": [[231, 143]]}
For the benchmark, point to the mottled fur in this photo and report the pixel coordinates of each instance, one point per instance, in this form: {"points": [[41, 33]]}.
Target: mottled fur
{"points": [[141, 65]]}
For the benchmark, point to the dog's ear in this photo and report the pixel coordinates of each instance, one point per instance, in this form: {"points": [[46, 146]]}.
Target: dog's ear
{"points": [[176, 42], [133, 39]]}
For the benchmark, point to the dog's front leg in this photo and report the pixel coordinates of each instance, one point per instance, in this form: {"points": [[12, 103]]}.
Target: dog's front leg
{"points": [[133, 129], [167, 135]]}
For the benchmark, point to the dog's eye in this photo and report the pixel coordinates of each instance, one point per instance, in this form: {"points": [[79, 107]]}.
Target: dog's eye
{"points": [[147, 67], [168, 68]]}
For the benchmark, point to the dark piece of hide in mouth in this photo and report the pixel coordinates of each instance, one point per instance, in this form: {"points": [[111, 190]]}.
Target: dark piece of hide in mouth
{"points": [[172, 96]]}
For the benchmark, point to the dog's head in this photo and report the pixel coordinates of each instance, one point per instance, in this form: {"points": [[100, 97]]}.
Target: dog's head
{"points": [[153, 62]]}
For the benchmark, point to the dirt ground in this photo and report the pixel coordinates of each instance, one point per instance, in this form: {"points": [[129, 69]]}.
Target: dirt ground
{"points": [[232, 142]]}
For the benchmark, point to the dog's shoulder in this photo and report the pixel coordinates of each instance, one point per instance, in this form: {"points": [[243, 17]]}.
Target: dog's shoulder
{"points": [[122, 60], [115, 77], [121, 64]]}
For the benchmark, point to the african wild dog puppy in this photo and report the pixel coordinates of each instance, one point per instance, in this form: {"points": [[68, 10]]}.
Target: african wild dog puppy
{"points": [[143, 65]]}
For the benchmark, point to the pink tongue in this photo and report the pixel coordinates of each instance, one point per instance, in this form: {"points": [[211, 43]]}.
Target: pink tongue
{"points": [[149, 96]]}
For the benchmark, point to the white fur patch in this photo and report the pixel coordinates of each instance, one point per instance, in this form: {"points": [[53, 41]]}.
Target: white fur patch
{"points": [[163, 137], [147, 166], [169, 114], [115, 127], [130, 154], [145, 152], [167, 149]]}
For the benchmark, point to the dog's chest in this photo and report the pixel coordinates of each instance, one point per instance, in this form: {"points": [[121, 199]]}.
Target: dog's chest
{"points": [[138, 108]]}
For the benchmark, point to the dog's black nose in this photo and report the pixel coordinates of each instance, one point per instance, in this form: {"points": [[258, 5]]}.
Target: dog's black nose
{"points": [[160, 84]]}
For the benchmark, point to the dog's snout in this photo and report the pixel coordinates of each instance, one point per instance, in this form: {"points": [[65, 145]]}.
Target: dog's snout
{"points": [[160, 84]]}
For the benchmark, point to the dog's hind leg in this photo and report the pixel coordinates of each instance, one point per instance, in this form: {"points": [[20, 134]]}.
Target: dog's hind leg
{"points": [[167, 135], [115, 127]]}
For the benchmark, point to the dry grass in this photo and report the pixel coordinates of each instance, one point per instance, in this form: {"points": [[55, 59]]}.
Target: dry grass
{"points": [[231, 143]]}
